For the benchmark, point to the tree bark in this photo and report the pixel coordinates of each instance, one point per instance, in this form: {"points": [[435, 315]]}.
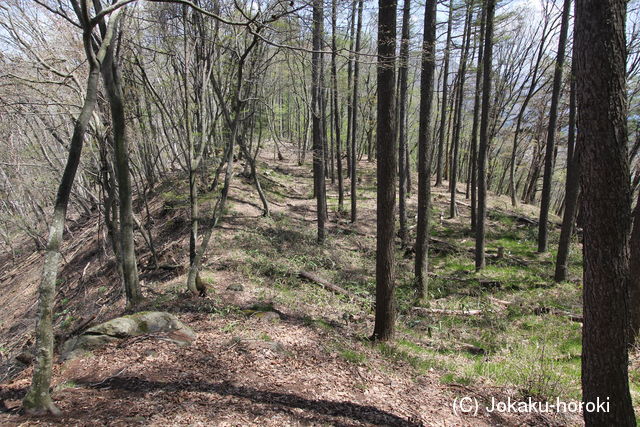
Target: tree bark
{"points": [[386, 165], [605, 205]]}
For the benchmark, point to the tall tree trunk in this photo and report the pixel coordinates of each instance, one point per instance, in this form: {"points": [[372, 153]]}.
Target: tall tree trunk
{"points": [[316, 106], [401, 122], [453, 211], [336, 108], [484, 135], [350, 63], [386, 165], [605, 205], [545, 201], [425, 148], [443, 112], [572, 189], [354, 121], [476, 116], [111, 78]]}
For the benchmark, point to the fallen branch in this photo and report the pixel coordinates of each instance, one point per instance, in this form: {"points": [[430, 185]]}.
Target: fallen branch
{"points": [[441, 311], [544, 310], [500, 301], [326, 284]]}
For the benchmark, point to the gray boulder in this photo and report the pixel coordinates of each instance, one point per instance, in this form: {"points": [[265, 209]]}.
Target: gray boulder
{"points": [[160, 324]]}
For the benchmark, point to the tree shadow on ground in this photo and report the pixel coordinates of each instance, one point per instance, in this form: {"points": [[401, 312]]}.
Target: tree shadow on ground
{"points": [[321, 407]]}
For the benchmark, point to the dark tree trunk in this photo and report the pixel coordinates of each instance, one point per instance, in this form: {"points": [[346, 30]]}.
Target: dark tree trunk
{"points": [[484, 135], [605, 205], [545, 202], [336, 108], [425, 148], [316, 111], [386, 172], [476, 121], [401, 122], [572, 188]]}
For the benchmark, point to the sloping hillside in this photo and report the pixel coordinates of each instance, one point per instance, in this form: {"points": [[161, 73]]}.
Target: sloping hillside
{"points": [[276, 349]]}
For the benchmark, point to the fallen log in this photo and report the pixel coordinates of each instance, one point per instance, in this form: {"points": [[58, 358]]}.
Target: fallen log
{"points": [[444, 312], [555, 311], [325, 283]]}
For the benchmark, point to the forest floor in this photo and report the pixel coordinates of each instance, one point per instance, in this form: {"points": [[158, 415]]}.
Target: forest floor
{"points": [[509, 333]]}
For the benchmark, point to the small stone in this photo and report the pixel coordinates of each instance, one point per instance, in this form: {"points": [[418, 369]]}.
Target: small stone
{"points": [[267, 316]]}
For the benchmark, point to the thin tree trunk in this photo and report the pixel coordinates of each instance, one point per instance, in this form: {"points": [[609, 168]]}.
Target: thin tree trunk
{"points": [[476, 121], [336, 108], [484, 136], [354, 121], [453, 211], [401, 122], [443, 112], [572, 189], [316, 106], [350, 64], [545, 202], [425, 148]]}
